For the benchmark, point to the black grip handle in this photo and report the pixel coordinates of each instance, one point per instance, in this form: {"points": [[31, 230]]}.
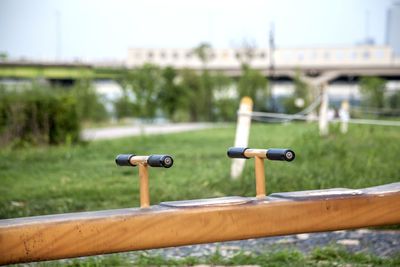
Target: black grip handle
{"points": [[237, 152], [160, 161], [280, 154], [124, 160]]}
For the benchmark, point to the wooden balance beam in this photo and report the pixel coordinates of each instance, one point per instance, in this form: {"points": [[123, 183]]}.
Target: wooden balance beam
{"points": [[195, 221]]}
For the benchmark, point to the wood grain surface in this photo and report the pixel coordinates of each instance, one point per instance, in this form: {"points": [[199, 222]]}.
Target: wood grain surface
{"points": [[91, 233]]}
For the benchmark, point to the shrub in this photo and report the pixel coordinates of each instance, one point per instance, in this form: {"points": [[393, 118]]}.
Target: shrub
{"points": [[124, 107], [301, 92], [254, 85], [89, 104], [37, 115], [194, 94], [145, 83], [171, 96], [226, 109], [373, 91], [394, 100]]}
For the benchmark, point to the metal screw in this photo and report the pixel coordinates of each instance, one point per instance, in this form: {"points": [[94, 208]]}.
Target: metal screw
{"points": [[167, 160], [289, 155]]}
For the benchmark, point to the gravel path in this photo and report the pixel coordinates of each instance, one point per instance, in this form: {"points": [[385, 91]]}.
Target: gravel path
{"points": [[122, 131], [380, 243]]}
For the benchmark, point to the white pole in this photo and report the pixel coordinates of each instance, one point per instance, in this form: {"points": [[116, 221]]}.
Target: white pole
{"points": [[344, 116], [323, 112], [242, 134]]}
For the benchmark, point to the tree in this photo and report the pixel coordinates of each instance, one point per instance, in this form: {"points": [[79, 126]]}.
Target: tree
{"points": [[145, 83], [253, 84], [373, 91], [89, 103], [301, 89], [301, 95], [194, 94], [207, 84], [171, 96], [225, 104], [394, 100], [123, 106], [246, 51], [203, 52]]}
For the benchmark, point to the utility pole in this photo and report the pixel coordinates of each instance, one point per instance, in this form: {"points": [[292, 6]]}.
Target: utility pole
{"points": [[367, 27], [58, 35], [271, 64]]}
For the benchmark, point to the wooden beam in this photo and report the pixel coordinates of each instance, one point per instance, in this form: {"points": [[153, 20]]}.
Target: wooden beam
{"points": [[179, 223]]}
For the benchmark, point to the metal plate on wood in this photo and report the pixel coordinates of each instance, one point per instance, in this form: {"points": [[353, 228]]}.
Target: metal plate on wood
{"points": [[221, 201], [318, 194], [383, 189], [338, 192]]}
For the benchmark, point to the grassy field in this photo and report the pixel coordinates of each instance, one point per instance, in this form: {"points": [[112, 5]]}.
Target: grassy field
{"points": [[36, 181]]}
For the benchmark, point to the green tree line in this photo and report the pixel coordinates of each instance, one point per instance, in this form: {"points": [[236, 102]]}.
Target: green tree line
{"points": [[44, 113], [188, 95]]}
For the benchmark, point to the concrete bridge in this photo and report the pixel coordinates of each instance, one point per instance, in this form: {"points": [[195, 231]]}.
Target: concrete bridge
{"points": [[316, 65], [60, 71]]}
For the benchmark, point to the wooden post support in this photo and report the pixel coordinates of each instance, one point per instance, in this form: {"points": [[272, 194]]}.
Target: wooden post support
{"points": [[344, 115], [242, 134], [323, 111], [144, 185], [260, 177]]}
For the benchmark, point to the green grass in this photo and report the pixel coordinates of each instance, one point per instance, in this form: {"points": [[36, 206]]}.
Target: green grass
{"points": [[37, 181], [329, 256]]}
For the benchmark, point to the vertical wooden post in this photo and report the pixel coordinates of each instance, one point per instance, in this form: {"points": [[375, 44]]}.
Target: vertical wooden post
{"points": [[344, 116], [323, 111], [242, 134], [260, 177], [144, 185]]}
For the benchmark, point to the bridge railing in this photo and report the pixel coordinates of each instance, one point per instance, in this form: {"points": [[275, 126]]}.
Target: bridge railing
{"points": [[232, 58]]}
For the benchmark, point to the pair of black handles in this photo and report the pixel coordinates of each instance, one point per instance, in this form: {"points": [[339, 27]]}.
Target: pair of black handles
{"points": [[167, 161]]}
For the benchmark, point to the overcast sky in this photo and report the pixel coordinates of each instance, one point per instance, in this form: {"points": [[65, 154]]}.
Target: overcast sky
{"points": [[97, 29]]}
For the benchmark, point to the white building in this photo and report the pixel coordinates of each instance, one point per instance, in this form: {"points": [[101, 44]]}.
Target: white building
{"points": [[393, 29]]}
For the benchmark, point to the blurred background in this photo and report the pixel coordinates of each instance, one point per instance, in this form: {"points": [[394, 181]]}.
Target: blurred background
{"points": [[180, 61], [75, 72]]}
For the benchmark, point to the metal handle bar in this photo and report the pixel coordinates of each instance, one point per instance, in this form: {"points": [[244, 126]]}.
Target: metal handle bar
{"points": [[165, 161], [271, 153]]}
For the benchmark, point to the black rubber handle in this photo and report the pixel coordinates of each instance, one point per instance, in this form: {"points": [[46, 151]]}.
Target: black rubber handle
{"points": [[280, 154], [124, 160], [237, 152], [160, 161]]}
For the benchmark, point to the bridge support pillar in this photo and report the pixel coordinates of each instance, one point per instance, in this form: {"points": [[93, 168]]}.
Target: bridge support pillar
{"points": [[321, 82]]}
